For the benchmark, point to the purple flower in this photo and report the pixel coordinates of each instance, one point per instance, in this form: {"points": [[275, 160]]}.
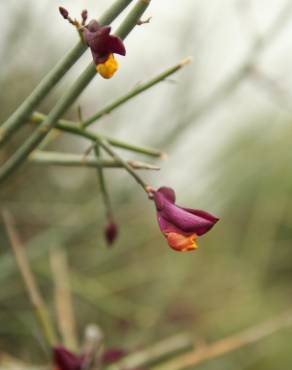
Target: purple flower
{"points": [[103, 46], [180, 226], [111, 232], [66, 360]]}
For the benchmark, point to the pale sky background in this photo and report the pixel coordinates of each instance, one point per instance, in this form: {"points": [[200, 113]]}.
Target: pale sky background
{"points": [[218, 34]]}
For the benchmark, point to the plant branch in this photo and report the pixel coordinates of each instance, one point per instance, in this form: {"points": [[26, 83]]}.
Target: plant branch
{"points": [[71, 127], [136, 91], [68, 98], [24, 111], [105, 145], [40, 309], [102, 185], [75, 160]]}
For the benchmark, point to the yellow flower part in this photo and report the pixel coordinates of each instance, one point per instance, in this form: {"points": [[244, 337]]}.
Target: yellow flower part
{"points": [[108, 68], [181, 242]]}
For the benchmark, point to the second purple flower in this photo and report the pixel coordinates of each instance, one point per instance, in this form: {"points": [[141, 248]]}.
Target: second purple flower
{"points": [[103, 45]]}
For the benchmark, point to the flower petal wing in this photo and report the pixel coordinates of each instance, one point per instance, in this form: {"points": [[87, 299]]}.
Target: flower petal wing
{"points": [[116, 45], [210, 220], [186, 221]]}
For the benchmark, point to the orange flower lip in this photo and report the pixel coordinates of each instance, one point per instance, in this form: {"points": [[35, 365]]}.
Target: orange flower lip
{"points": [[108, 68], [181, 242]]}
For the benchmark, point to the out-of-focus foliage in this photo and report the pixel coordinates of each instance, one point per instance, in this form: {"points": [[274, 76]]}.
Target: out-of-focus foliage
{"points": [[139, 291]]}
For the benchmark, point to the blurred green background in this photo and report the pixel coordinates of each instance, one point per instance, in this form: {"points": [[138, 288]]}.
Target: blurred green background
{"points": [[225, 122]]}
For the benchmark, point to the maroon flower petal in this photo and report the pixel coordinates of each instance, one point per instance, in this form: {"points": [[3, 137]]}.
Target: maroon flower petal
{"points": [[167, 226], [99, 59], [104, 31], [115, 45], [162, 195], [66, 360], [93, 26], [184, 220], [172, 218], [97, 40], [201, 213], [101, 43]]}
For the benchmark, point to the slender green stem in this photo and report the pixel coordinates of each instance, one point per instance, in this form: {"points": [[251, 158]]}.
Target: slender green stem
{"points": [[40, 309], [102, 185], [24, 111], [71, 127], [136, 91], [69, 98], [105, 145], [68, 160]]}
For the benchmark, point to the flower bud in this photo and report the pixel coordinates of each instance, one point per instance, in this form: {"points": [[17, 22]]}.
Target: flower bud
{"points": [[84, 15], [64, 12], [111, 232]]}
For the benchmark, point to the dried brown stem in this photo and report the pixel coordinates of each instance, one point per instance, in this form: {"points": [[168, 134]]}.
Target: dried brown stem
{"points": [[63, 297], [37, 302]]}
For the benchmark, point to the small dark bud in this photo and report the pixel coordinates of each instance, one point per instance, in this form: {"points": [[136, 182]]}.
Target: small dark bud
{"points": [[84, 16], [64, 12], [111, 232]]}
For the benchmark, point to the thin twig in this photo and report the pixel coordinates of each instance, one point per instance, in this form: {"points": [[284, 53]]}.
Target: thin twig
{"points": [[70, 127], [128, 167], [103, 188], [40, 309], [75, 160], [136, 91]]}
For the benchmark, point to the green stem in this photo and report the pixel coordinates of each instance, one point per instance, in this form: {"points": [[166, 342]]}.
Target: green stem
{"points": [[105, 145], [70, 127], [46, 324], [69, 98], [102, 185], [136, 91], [68, 160], [24, 111]]}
